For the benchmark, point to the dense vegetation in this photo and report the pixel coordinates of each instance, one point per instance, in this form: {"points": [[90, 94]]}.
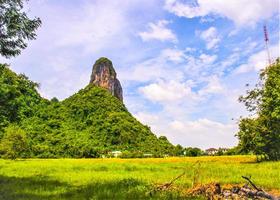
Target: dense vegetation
{"points": [[261, 134], [18, 97], [69, 179], [90, 123]]}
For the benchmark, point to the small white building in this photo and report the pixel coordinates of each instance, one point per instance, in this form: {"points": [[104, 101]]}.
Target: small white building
{"points": [[211, 151], [149, 155], [116, 153]]}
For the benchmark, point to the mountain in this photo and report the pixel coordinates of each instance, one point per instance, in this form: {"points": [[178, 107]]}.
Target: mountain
{"points": [[90, 123], [105, 76]]}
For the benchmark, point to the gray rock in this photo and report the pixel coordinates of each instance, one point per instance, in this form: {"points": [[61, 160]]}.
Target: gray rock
{"points": [[104, 75]]}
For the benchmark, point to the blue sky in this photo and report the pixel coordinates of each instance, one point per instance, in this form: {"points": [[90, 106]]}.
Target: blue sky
{"points": [[182, 64]]}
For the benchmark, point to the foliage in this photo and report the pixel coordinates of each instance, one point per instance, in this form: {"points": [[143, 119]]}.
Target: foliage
{"points": [[15, 27], [193, 152], [261, 134], [18, 97], [103, 60], [90, 123], [14, 143], [179, 150], [234, 151]]}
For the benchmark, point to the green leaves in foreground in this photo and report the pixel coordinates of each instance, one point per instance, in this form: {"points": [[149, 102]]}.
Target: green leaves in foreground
{"points": [[261, 134], [15, 27]]}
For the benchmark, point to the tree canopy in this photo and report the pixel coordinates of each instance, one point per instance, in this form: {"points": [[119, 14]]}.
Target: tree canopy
{"points": [[261, 134], [15, 27]]}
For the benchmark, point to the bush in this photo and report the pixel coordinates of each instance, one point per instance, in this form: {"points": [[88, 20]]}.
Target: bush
{"points": [[14, 143]]}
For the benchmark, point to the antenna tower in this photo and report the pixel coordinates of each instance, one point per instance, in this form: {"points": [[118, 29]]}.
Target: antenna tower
{"points": [[266, 44]]}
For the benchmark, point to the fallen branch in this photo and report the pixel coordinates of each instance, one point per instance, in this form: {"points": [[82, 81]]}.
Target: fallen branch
{"points": [[166, 186], [258, 193], [251, 183]]}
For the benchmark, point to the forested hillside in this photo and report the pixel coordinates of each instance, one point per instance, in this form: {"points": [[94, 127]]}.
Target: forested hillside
{"points": [[90, 123]]}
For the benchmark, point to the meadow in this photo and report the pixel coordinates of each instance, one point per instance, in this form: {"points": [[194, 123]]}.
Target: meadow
{"points": [[61, 179]]}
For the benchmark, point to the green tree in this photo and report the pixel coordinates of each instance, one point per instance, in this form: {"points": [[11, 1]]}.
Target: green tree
{"points": [[193, 152], [179, 150], [15, 27], [261, 134], [18, 97], [14, 143]]}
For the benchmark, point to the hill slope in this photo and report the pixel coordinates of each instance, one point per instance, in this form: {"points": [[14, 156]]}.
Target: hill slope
{"points": [[18, 97], [89, 123]]}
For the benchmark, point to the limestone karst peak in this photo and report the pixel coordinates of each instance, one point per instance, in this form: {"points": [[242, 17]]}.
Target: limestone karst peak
{"points": [[104, 75]]}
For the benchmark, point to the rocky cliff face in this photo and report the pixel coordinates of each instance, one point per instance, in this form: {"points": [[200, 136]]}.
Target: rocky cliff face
{"points": [[104, 75]]}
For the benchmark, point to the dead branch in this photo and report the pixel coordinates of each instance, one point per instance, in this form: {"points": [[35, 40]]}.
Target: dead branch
{"points": [[251, 183], [166, 186], [258, 193]]}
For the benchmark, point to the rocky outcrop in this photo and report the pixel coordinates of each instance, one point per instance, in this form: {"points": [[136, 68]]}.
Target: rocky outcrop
{"points": [[104, 75]]}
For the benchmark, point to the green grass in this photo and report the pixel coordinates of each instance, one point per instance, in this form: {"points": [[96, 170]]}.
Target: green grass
{"points": [[81, 179]]}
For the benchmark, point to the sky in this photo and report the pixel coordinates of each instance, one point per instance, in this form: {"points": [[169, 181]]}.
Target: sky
{"points": [[182, 63]]}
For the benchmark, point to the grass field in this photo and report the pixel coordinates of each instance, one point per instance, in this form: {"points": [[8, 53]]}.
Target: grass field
{"points": [[59, 179]]}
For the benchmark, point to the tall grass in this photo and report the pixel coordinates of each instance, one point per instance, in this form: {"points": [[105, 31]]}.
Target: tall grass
{"points": [[125, 178]]}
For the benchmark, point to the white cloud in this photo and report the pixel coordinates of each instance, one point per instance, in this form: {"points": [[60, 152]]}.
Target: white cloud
{"points": [[202, 133], [158, 31], [162, 66], [207, 59], [93, 28], [258, 61], [147, 118], [174, 55], [156, 68], [242, 12], [189, 49], [214, 86], [211, 38], [167, 91]]}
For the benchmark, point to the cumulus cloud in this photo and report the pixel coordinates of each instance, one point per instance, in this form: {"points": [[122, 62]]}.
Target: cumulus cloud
{"points": [[258, 61], [213, 86], [210, 36], [158, 31], [242, 12], [174, 55], [200, 65], [207, 59], [156, 68], [202, 133], [168, 91], [91, 28], [178, 92]]}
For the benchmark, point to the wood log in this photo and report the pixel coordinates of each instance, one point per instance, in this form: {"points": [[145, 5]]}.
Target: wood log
{"points": [[258, 191]]}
